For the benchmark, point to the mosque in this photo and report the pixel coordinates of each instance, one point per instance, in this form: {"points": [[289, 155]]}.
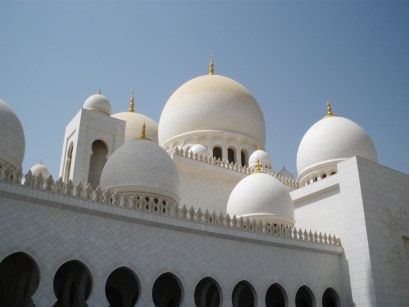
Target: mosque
{"points": [[191, 212]]}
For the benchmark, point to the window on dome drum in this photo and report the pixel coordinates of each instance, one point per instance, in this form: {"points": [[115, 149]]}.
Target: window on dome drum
{"points": [[276, 296], [330, 298], [19, 279], [243, 158], [217, 153], [167, 291], [207, 293], [97, 162], [67, 170], [72, 284], [304, 297], [122, 288], [230, 155], [243, 295]]}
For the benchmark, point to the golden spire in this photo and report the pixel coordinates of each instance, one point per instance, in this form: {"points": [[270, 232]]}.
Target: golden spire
{"points": [[132, 102], [329, 110], [211, 66], [143, 133], [258, 168]]}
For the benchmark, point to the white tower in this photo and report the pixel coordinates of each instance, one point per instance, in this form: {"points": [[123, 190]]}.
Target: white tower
{"points": [[90, 138]]}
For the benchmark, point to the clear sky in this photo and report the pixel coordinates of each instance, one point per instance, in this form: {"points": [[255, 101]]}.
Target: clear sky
{"points": [[291, 55]]}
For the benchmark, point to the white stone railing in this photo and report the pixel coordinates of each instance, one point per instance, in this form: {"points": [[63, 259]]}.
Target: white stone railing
{"points": [[156, 205], [237, 167]]}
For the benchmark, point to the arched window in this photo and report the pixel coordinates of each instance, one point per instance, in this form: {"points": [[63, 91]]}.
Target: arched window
{"points": [[97, 162], [230, 155], [243, 158], [276, 296], [122, 288], [304, 297], [167, 291], [243, 295], [68, 159], [217, 153], [72, 284], [19, 278], [207, 293], [330, 298]]}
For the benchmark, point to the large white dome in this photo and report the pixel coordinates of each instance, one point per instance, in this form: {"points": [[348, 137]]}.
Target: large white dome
{"points": [[142, 166], [134, 122], [329, 141], [98, 102], [12, 141], [214, 103], [262, 197]]}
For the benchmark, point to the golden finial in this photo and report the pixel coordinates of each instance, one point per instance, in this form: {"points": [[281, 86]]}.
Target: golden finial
{"points": [[132, 102], [143, 133], [258, 168], [99, 92], [211, 66], [329, 110]]}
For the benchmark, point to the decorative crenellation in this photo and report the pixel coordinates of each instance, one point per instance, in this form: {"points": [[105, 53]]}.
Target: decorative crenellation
{"points": [[236, 167], [156, 205]]}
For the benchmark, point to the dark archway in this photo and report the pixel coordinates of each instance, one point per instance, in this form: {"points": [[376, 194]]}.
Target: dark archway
{"points": [[217, 153], [68, 160], [122, 288], [243, 156], [276, 296], [231, 156], [19, 279], [207, 293], [330, 298], [167, 291], [97, 162], [72, 284], [304, 297], [243, 295]]}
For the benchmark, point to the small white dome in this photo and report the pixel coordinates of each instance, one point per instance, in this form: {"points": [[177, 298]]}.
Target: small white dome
{"points": [[262, 156], [262, 197], [98, 102], [40, 168], [142, 166], [200, 150], [211, 103], [12, 141], [286, 173], [329, 141], [134, 122]]}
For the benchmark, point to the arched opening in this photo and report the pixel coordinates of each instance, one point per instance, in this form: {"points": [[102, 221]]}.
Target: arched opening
{"points": [[68, 160], [97, 162], [243, 157], [122, 288], [72, 284], [304, 297], [243, 295], [217, 153], [167, 291], [275, 296], [19, 278], [207, 293], [330, 298], [230, 155]]}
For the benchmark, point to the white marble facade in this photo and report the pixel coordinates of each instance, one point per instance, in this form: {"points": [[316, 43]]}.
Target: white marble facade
{"points": [[157, 225]]}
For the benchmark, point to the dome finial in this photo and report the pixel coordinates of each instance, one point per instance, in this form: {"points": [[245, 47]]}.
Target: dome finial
{"points": [[258, 168], [143, 133], [99, 92], [329, 110], [211, 66], [132, 102]]}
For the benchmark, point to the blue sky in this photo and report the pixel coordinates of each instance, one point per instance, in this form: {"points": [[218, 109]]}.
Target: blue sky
{"points": [[292, 56]]}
